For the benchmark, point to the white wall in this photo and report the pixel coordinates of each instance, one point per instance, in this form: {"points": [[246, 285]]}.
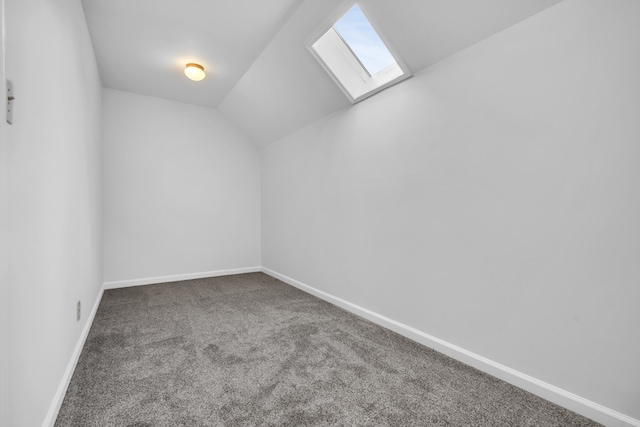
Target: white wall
{"points": [[54, 196], [4, 254], [181, 190], [490, 201]]}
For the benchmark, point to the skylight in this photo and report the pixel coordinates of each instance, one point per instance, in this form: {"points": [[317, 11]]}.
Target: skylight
{"points": [[354, 54], [365, 43]]}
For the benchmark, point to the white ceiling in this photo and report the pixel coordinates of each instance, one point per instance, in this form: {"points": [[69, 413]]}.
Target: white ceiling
{"points": [[259, 71], [142, 46]]}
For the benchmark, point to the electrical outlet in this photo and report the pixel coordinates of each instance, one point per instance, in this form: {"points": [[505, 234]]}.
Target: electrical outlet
{"points": [[78, 312], [10, 99]]}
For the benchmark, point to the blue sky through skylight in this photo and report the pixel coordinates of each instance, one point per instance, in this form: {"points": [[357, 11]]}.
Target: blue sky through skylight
{"points": [[357, 32]]}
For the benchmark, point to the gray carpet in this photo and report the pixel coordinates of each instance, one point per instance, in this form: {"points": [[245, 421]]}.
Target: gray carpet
{"points": [[249, 350]]}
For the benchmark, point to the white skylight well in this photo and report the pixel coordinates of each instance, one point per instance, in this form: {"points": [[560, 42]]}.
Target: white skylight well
{"points": [[357, 58]]}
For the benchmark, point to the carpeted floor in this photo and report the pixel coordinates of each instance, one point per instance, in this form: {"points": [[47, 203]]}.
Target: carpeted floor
{"points": [[249, 350]]}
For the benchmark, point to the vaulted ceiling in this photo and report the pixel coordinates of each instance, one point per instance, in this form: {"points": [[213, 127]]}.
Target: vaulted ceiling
{"points": [[259, 71], [142, 46]]}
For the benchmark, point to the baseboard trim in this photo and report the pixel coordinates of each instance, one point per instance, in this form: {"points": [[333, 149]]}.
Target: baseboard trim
{"points": [[547, 391], [178, 277], [56, 404]]}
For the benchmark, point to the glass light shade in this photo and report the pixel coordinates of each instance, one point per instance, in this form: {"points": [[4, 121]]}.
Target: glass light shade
{"points": [[195, 72]]}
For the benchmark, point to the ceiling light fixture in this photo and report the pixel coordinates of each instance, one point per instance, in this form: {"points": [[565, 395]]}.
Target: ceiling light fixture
{"points": [[194, 71]]}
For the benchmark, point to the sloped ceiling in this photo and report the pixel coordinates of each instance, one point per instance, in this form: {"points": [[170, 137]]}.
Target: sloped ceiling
{"points": [[142, 46], [260, 72]]}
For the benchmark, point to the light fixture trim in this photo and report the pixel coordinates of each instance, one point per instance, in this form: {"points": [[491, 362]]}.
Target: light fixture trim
{"points": [[194, 71]]}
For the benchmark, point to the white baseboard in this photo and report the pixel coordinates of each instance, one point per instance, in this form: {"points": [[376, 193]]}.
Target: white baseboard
{"points": [[554, 394], [54, 409], [52, 414], [178, 277]]}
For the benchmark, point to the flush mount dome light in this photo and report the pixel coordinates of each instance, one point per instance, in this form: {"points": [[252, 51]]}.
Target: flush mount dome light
{"points": [[194, 71]]}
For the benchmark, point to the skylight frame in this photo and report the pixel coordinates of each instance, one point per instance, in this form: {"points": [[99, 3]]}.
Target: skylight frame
{"points": [[372, 83]]}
